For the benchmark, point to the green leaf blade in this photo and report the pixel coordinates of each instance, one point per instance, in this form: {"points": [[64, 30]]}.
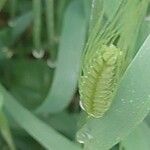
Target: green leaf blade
{"points": [[68, 65], [130, 107], [40, 131], [139, 139]]}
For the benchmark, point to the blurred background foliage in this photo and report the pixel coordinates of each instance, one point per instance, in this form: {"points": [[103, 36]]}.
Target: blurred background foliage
{"points": [[30, 33], [41, 43]]}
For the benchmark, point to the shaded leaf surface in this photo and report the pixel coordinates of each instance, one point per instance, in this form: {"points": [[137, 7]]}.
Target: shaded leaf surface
{"points": [[139, 139]]}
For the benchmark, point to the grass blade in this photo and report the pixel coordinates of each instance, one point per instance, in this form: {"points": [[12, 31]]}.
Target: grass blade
{"points": [[70, 49], [20, 25], [4, 127], [43, 133]]}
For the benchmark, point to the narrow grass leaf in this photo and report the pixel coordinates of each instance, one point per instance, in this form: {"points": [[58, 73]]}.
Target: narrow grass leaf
{"points": [[40, 131], [20, 25], [4, 127], [67, 71], [5, 131]]}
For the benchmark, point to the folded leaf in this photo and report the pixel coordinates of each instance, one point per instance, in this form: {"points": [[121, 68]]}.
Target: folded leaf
{"points": [[131, 105]]}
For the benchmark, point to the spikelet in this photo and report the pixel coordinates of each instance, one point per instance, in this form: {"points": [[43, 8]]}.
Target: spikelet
{"points": [[99, 80]]}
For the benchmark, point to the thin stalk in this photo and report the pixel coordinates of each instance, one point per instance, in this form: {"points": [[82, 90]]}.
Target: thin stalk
{"points": [[2, 3], [50, 24], [13, 8], [50, 20], [5, 131], [37, 14]]}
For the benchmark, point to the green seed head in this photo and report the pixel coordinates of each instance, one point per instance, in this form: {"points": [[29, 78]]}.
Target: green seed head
{"points": [[99, 80]]}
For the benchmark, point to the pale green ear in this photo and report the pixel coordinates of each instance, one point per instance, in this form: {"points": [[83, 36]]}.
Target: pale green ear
{"points": [[98, 83]]}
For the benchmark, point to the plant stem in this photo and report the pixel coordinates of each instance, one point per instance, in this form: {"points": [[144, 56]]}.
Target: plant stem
{"points": [[13, 8], [37, 23], [50, 20], [50, 25], [2, 3]]}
